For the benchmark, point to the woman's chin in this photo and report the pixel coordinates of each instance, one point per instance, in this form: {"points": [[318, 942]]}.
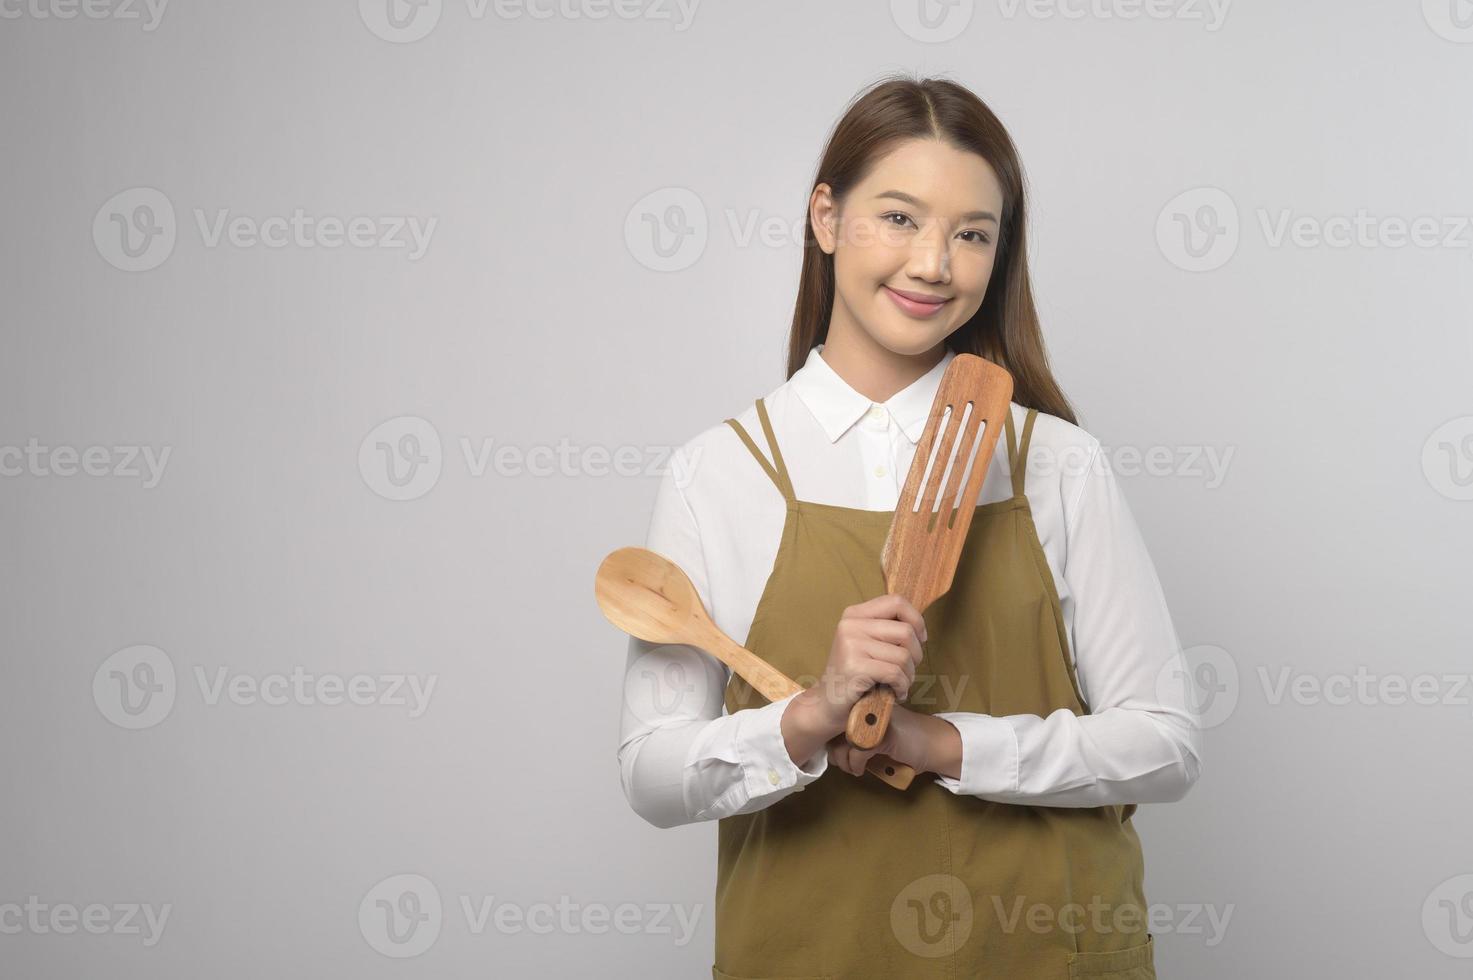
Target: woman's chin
{"points": [[911, 337]]}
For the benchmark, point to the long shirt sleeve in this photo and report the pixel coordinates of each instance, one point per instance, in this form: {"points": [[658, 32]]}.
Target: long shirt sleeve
{"points": [[1141, 741], [681, 758]]}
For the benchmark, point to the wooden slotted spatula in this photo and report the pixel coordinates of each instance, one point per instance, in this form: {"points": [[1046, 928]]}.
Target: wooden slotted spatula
{"points": [[926, 537], [647, 595]]}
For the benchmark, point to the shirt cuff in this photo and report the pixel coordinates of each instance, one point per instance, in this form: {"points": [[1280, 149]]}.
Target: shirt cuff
{"points": [[766, 766], [989, 755]]}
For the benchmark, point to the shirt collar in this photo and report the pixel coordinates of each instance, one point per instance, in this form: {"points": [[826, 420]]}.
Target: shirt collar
{"points": [[837, 406]]}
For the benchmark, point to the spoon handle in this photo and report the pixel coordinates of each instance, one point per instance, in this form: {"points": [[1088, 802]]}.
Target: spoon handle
{"points": [[765, 679], [774, 685]]}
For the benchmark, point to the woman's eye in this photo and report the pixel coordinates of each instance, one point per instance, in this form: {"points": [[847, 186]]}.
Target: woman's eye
{"points": [[900, 219]]}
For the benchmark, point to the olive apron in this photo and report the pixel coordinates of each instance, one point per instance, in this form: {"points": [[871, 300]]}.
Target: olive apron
{"points": [[851, 879]]}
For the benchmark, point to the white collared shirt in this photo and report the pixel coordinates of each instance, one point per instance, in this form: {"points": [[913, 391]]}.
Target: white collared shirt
{"points": [[719, 517]]}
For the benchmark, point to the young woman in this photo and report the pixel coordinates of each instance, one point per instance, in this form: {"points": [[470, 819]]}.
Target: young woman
{"points": [[1041, 691]]}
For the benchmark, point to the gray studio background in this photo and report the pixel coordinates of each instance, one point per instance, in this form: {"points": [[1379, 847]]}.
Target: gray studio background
{"points": [[242, 446]]}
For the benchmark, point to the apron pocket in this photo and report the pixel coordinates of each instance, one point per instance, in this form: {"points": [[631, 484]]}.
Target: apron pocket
{"points": [[1133, 963], [718, 975]]}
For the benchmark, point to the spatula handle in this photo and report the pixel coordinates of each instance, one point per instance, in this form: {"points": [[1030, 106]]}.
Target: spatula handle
{"points": [[870, 717], [889, 771]]}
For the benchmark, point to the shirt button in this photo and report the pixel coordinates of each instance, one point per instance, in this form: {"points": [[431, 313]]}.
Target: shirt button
{"points": [[879, 471], [772, 776]]}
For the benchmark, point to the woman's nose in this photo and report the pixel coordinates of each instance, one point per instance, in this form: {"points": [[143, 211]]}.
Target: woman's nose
{"points": [[930, 261]]}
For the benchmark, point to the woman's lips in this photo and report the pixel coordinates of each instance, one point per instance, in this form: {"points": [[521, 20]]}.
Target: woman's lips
{"points": [[912, 306]]}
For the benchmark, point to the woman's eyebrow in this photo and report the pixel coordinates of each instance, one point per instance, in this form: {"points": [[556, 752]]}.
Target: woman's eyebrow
{"points": [[917, 202]]}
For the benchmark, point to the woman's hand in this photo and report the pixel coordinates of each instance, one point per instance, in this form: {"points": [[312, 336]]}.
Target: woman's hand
{"points": [[921, 741], [904, 741], [875, 642]]}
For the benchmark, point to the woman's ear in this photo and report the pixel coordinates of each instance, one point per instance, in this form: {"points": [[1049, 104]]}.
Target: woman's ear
{"points": [[823, 214]]}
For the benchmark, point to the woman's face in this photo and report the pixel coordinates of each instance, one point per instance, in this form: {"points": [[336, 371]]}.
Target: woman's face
{"points": [[913, 245]]}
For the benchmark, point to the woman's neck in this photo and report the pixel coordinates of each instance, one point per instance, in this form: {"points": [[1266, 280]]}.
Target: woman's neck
{"points": [[871, 369]]}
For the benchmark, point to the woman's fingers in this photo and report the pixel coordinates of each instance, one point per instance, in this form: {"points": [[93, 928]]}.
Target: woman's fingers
{"points": [[884, 670], [897, 634], [889, 664], [838, 753], [847, 757], [855, 761], [896, 607], [875, 642]]}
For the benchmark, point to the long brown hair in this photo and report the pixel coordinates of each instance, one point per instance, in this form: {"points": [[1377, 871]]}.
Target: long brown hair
{"points": [[1005, 328]]}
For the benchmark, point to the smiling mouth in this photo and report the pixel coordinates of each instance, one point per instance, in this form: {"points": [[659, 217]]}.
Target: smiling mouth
{"points": [[916, 304]]}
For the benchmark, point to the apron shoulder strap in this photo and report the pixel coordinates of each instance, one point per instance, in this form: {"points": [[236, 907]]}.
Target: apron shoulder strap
{"points": [[1018, 453], [779, 475]]}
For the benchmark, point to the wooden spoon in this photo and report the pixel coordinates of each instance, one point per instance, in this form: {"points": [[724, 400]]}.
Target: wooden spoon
{"points": [[924, 543], [648, 596]]}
